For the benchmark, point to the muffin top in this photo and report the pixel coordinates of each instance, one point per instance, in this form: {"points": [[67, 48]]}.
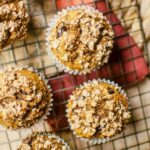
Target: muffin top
{"points": [[24, 97], [97, 110], [13, 21], [43, 141], [81, 39]]}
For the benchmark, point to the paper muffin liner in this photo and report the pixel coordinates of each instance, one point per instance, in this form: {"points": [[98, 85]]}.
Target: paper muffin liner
{"points": [[50, 135], [52, 56], [49, 107], [98, 140]]}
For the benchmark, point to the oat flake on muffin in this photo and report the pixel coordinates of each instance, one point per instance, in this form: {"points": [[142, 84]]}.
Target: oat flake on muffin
{"points": [[81, 39], [24, 97], [98, 110], [43, 141]]}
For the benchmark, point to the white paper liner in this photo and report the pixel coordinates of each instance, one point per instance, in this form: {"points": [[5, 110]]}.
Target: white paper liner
{"points": [[49, 107], [50, 135], [98, 140], [52, 23]]}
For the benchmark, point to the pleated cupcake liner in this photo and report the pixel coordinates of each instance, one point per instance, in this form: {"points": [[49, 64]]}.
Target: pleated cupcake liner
{"points": [[52, 56], [49, 106], [50, 135], [98, 140]]}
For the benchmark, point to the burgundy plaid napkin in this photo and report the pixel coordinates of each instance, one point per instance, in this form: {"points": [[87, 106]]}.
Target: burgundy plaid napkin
{"points": [[126, 65]]}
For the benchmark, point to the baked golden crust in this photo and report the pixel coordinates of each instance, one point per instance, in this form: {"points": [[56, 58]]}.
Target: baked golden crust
{"points": [[24, 98], [82, 40], [13, 22], [97, 110], [43, 141]]}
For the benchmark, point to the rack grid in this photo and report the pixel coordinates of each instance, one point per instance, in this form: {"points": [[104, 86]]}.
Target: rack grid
{"points": [[32, 52]]}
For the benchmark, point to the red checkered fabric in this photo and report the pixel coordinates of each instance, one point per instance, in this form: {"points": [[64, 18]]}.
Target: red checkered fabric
{"points": [[126, 65]]}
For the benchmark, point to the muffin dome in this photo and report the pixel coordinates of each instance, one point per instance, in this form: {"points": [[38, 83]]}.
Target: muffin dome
{"points": [[98, 110], [24, 97], [43, 141], [81, 39]]}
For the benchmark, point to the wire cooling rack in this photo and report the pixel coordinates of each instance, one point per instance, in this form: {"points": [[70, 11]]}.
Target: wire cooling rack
{"points": [[32, 52]]}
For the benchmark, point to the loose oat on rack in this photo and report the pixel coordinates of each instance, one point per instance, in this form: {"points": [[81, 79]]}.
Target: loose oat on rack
{"points": [[81, 39], [24, 98], [98, 110], [13, 22]]}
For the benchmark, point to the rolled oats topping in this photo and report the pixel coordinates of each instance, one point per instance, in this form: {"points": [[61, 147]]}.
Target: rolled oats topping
{"points": [[43, 141], [6, 1], [24, 97], [13, 21], [97, 110], [81, 39]]}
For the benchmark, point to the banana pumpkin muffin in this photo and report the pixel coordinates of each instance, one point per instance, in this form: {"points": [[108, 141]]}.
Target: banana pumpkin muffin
{"points": [[24, 97], [98, 110], [80, 39], [13, 21], [43, 141]]}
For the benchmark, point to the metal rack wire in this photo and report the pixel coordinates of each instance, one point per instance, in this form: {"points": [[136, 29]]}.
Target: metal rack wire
{"points": [[32, 52]]}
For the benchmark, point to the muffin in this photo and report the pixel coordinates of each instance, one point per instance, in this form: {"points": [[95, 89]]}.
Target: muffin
{"points": [[24, 97], [13, 21], [43, 141], [80, 39], [98, 110]]}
